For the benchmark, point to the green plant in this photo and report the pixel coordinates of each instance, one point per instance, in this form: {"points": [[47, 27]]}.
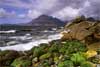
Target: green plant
{"points": [[73, 47], [44, 56], [38, 52], [66, 63], [19, 62], [78, 58], [53, 48], [86, 64]]}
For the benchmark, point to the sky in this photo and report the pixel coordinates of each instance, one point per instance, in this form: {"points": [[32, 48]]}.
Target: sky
{"points": [[23, 11]]}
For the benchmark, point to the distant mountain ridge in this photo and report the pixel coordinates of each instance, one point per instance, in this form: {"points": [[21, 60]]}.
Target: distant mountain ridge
{"points": [[45, 20]]}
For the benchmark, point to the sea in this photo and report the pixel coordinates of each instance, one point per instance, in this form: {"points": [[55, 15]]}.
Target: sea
{"points": [[9, 40]]}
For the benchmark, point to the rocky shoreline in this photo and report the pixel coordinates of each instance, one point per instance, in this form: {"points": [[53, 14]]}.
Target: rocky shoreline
{"points": [[79, 47], [58, 53]]}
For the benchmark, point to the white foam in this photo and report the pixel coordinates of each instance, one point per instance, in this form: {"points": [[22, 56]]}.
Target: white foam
{"points": [[10, 31], [28, 46]]}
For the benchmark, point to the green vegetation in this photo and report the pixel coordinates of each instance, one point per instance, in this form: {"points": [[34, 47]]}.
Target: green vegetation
{"points": [[66, 63], [87, 64], [78, 58], [69, 53], [21, 62]]}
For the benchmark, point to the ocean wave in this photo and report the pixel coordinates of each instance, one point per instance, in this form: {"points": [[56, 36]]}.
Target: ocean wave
{"points": [[28, 46]]}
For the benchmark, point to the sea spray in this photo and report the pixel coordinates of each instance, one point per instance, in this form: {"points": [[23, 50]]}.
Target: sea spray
{"points": [[28, 46]]}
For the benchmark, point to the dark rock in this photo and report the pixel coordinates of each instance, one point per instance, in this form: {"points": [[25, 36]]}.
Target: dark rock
{"points": [[6, 57]]}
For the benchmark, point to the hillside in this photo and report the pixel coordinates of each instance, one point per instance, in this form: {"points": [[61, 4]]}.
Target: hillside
{"points": [[45, 20]]}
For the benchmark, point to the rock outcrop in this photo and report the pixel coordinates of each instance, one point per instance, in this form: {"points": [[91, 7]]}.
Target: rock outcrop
{"points": [[83, 30]]}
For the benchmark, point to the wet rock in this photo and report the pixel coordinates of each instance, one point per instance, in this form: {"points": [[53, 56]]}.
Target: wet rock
{"points": [[6, 57]]}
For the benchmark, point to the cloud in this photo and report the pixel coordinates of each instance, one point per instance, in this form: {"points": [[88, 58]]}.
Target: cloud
{"points": [[59, 8], [92, 9], [33, 14], [2, 12], [16, 3], [5, 14], [22, 15], [12, 17], [45, 6], [62, 9], [67, 12]]}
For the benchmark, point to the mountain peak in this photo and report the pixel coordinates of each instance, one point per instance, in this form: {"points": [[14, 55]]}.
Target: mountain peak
{"points": [[45, 17], [45, 20]]}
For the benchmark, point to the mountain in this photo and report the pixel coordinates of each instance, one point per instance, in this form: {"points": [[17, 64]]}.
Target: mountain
{"points": [[43, 22], [46, 21]]}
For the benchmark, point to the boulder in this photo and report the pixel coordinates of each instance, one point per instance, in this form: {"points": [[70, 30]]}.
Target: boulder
{"points": [[83, 31], [6, 57]]}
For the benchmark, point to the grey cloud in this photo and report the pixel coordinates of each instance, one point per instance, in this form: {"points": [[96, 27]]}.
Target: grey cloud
{"points": [[44, 5], [73, 3], [89, 8], [12, 14], [93, 10], [54, 7], [5, 14]]}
